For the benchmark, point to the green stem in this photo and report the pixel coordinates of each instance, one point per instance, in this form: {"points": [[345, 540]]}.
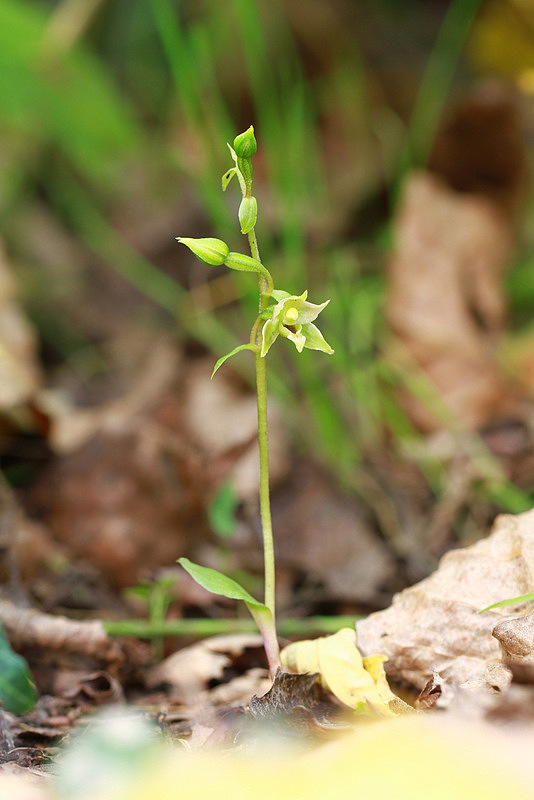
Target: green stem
{"points": [[265, 505], [265, 291], [268, 629], [293, 626]]}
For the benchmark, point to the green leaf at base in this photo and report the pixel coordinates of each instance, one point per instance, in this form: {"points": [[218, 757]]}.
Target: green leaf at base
{"points": [[17, 689], [216, 582], [238, 349]]}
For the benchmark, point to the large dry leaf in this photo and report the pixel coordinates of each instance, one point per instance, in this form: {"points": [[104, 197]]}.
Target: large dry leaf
{"points": [[133, 478], [323, 533], [435, 625], [222, 420], [445, 302]]}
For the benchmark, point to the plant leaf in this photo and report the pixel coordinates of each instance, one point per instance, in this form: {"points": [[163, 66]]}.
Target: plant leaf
{"points": [[216, 582], [511, 601], [227, 177], [237, 349], [17, 688]]}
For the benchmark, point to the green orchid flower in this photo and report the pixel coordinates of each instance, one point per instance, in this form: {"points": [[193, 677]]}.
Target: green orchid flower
{"points": [[292, 318]]}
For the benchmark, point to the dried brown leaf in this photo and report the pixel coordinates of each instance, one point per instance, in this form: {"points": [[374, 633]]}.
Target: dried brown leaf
{"points": [[445, 303], [516, 637], [190, 670], [27, 628], [435, 625]]}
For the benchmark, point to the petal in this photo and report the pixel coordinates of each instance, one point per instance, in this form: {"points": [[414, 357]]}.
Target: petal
{"points": [[315, 339], [310, 311], [297, 337], [269, 333], [279, 294]]}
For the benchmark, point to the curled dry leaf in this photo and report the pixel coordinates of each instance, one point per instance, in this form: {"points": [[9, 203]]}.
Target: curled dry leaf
{"points": [[516, 637], [27, 628], [190, 670], [435, 625], [97, 687]]}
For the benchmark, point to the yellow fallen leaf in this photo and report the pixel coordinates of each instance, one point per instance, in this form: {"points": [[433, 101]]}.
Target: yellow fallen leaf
{"points": [[356, 681]]}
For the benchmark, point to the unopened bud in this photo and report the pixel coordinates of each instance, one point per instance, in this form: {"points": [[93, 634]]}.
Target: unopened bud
{"points": [[245, 143], [210, 251], [248, 212]]}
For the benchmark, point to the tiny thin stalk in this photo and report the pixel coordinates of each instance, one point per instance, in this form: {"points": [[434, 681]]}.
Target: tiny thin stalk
{"points": [[267, 627], [255, 253], [265, 503]]}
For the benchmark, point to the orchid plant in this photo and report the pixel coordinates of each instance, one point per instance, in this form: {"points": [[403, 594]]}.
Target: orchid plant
{"points": [[279, 314]]}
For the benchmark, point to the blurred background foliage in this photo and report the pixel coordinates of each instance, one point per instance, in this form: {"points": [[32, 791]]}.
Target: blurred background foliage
{"points": [[114, 116]]}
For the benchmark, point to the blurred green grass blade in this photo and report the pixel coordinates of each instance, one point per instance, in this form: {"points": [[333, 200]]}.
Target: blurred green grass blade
{"points": [[68, 100], [191, 63], [292, 626], [17, 688], [222, 511], [507, 496], [285, 123], [511, 601], [437, 78], [177, 49]]}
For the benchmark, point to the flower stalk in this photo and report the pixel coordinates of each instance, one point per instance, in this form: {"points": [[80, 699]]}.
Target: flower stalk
{"points": [[289, 316]]}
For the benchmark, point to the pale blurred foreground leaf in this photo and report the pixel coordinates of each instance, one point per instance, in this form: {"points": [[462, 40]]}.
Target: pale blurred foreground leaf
{"points": [[415, 757], [356, 681]]}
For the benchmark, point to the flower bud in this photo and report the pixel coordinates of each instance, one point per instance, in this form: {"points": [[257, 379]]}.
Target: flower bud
{"points": [[210, 251], [248, 211], [245, 143]]}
